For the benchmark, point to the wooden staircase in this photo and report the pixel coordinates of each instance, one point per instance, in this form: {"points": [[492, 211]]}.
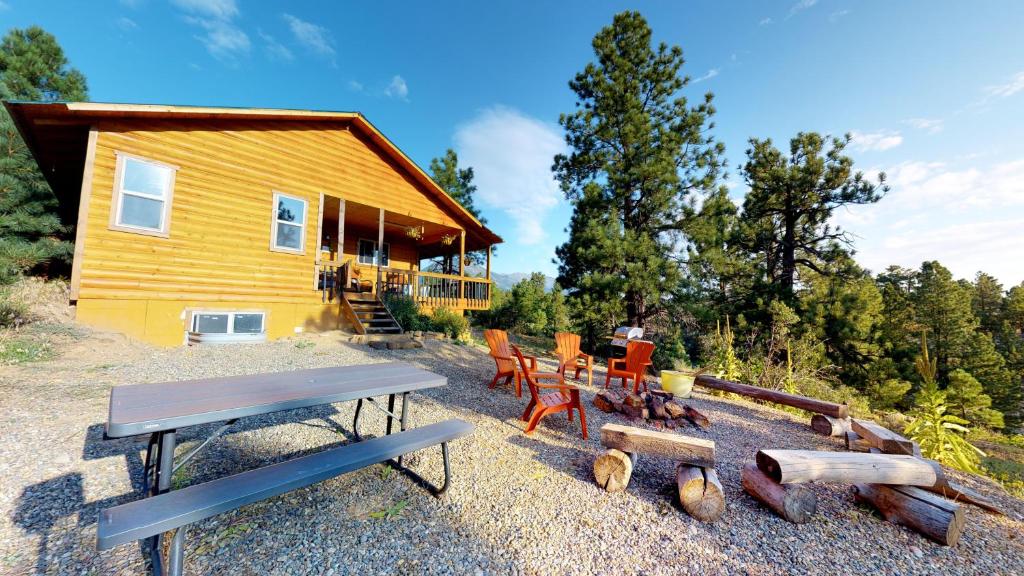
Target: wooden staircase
{"points": [[368, 314]]}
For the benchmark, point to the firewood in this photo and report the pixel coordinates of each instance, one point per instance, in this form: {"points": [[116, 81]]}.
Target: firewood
{"points": [[797, 466], [696, 418], [802, 402], [855, 443], [794, 502], [603, 401], [945, 487], [656, 407], [613, 469], [634, 412], [700, 492], [663, 394], [829, 426], [674, 409], [882, 438], [634, 400], [695, 451], [934, 517]]}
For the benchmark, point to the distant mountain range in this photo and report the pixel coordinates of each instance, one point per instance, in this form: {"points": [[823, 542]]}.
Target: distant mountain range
{"points": [[507, 281]]}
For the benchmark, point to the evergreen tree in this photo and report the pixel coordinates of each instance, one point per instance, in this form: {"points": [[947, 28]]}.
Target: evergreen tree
{"points": [[787, 213], [32, 67], [943, 307], [967, 400], [987, 303], [983, 362], [458, 183], [557, 311], [638, 150]]}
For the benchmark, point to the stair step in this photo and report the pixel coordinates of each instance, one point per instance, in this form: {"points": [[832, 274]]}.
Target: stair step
{"points": [[389, 330], [378, 321]]}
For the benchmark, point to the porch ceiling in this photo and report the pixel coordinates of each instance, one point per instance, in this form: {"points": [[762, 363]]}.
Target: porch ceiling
{"points": [[396, 223]]}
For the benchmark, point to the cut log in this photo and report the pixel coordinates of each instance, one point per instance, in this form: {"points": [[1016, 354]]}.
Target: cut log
{"points": [[829, 426], [613, 469], [700, 492], [798, 466], [696, 418], [855, 443], [604, 402], [934, 517], [882, 438], [674, 409], [686, 449], [634, 412], [804, 403], [656, 407], [794, 502], [634, 400], [950, 489]]}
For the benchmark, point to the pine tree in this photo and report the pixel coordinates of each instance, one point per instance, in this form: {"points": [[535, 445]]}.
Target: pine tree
{"points": [[787, 213], [988, 366], [967, 400], [943, 307], [638, 150], [457, 182], [987, 303], [32, 67]]}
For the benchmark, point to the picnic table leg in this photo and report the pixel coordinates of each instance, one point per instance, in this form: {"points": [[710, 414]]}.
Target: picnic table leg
{"points": [[355, 421], [402, 419], [391, 410], [164, 470]]}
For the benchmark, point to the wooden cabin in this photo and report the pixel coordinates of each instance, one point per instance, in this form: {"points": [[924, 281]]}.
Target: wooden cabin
{"points": [[247, 224]]}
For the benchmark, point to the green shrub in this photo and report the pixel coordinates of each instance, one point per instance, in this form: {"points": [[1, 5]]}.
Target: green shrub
{"points": [[18, 350], [13, 310], [453, 324], [407, 313]]}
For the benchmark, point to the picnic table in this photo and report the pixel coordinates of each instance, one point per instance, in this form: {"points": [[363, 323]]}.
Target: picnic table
{"points": [[163, 409]]}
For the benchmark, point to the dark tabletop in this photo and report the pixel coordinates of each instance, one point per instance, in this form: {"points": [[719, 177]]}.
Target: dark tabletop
{"points": [[147, 408]]}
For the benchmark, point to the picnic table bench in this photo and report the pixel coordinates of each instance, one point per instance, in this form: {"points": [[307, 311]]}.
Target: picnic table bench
{"points": [[164, 408]]}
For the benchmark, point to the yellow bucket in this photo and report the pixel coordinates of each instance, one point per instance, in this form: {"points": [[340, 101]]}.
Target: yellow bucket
{"points": [[680, 384]]}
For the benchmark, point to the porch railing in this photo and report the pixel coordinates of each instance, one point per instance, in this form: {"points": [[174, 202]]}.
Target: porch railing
{"points": [[330, 278], [437, 290]]}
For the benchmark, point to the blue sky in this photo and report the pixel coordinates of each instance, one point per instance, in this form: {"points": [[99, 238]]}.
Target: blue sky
{"points": [[932, 91]]}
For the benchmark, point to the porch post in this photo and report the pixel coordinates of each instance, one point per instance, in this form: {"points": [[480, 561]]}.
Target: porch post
{"points": [[341, 230], [488, 262], [462, 265], [380, 247]]}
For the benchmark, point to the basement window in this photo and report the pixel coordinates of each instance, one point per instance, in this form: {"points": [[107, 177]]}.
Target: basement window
{"points": [[142, 196], [227, 327]]}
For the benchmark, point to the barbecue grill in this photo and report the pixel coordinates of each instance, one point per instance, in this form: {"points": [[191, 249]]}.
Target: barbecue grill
{"points": [[621, 336]]}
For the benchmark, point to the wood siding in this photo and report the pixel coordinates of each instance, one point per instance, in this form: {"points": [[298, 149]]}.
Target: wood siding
{"points": [[218, 247]]}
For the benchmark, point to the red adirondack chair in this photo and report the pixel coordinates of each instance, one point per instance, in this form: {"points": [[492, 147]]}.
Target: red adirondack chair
{"points": [[633, 366], [567, 347], [562, 396], [501, 351]]}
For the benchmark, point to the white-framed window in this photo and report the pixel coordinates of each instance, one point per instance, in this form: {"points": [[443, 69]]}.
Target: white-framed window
{"points": [[368, 253], [209, 322], [143, 190], [288, 224]]}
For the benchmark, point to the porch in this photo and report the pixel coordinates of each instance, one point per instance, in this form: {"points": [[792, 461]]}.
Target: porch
{"points": [[370, 252]]}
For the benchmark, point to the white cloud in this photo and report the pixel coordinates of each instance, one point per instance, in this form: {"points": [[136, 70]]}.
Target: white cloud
{"points": [[1009, 88], [217, 9], [800, 6], [766, 21], [316, 38], [511, 156], [875, 141], [223, 39], [397, 89], [837, 15], [125, 24], [355, 85], [919, 183], [929, 125], [707, 76], [275, 50]]}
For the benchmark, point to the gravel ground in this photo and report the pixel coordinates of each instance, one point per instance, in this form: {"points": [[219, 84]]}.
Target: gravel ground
{"points": [[518, 505]]}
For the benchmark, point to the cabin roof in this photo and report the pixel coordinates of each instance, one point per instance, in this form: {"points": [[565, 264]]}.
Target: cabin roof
{"points": [[57, 135]]}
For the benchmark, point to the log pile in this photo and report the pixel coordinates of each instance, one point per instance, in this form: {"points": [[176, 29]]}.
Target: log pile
{"points": [[832, 409], [700, 491], [657, 406]]}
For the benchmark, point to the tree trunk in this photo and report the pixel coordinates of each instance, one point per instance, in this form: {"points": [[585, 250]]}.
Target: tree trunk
{"points": [[884, 439], [788, 252], [855, 443], [932, 516], [802, 402], [613, 469], [700, 492], [795, 503], [695, 451], [798, 466]]}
